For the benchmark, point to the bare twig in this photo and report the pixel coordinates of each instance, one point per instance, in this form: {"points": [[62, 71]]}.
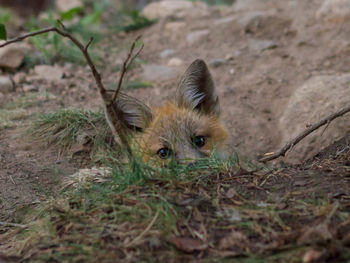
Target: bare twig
{"points": [[126, 65], [305, 133], [108, 100], [13, 225], [144, 232]]}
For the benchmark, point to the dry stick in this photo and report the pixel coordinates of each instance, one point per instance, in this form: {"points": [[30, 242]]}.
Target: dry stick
{"points": [[107, 100], [305, 133], [126, 66]]}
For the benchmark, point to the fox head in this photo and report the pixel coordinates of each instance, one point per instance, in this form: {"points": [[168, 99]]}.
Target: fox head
{"points": [[182, 130]]}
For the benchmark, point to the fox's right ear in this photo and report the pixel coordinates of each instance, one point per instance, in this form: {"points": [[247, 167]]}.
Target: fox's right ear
{"points": [[197, 90], [132, 113]]}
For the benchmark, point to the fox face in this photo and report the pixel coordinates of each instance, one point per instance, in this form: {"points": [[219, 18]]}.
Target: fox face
{"points": [[182, 130]]}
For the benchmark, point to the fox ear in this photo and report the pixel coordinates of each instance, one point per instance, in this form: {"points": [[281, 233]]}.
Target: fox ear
{"points": [[133, 114], [197, 90]]}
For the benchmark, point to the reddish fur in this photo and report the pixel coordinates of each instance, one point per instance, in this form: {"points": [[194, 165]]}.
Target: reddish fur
{"points": [[172, 116]]}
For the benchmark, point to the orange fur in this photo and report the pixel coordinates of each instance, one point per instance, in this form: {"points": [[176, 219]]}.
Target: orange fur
{"points": [[172, 125]]}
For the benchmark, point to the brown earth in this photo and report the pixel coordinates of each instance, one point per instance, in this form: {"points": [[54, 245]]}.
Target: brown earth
{"points": [[255, 80]]}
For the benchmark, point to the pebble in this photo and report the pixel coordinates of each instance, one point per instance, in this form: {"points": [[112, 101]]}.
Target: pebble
{"points": [[175, 62], [197, 35], [6, 85]]}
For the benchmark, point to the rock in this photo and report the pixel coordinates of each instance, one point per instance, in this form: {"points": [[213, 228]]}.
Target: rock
{"points": [[19, 77], [65, 5], [177, 9], [334, 10], [261, 45], [6, 85], [253, 5], [217, 62], [315, 99], [174, 26], [158, 73], [247, 18], [29, 88], [167, 53], [12, 56], [48, 72], [175, 62], [197, 35], [225, 20]]}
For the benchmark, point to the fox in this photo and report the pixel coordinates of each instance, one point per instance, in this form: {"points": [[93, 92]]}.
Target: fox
{"points": [[184, 129]]}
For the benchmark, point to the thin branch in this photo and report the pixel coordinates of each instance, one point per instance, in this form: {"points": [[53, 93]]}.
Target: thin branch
{"points": [[144, 232], [88, 44], [13, 225], [85, 52], [117, 129], [126, 66], [302, 135]]}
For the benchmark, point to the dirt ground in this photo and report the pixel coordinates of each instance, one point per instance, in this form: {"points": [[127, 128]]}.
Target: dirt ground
{"points": [[255, 80]]}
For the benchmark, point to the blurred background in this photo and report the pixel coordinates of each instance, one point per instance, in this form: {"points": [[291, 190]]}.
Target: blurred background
{"points": [[278, 65]]}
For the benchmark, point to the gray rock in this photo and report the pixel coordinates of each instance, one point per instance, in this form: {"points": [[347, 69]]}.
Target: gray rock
{"points": [[225, 20], [48, 72], [176, 26], [30, 88], [12, 56], [253, 5], [178, 9], [334, 10], [167, 53], [153, 72], [217, 62], [315, 99], [65, 5], [6, 85], [175, 62], [261, 45], [196, 36]]}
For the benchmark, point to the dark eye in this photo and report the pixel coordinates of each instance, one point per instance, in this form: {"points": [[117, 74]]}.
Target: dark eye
{"points": [[199, 141], [164, 153]]}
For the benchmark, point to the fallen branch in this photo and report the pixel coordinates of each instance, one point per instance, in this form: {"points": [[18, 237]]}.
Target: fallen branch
{"points": [[13, 225], [118, 132], [292, 143]]}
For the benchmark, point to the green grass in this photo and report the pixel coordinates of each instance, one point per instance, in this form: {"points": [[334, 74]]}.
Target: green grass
{"points": [[131, 211], [68, 127]]}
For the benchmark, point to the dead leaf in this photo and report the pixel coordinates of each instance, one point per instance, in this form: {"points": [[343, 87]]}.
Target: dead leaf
{"points": [[188, 244], [311, 256], [234, 239]]}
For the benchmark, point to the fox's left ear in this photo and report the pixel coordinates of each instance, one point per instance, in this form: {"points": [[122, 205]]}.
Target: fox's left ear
{"points": [[197, 90]]}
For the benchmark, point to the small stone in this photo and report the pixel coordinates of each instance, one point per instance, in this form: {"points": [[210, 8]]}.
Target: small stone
{"points": [[49, 72], [195, 36], [232, 71], [174, 26], [261, 45], [217, 62], [29, 88], [334, 10], [175, 62], [12, 56], [19, 77], [167, 53], [6, 85], [178, 9], [65, 5], [225, 20]]}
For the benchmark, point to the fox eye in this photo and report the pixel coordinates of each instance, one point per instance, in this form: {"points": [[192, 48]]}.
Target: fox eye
{"points": [[199, 141], [164, 153]]}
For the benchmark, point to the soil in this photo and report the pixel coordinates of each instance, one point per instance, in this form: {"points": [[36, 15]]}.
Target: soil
{"points": [[254, 85]]}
